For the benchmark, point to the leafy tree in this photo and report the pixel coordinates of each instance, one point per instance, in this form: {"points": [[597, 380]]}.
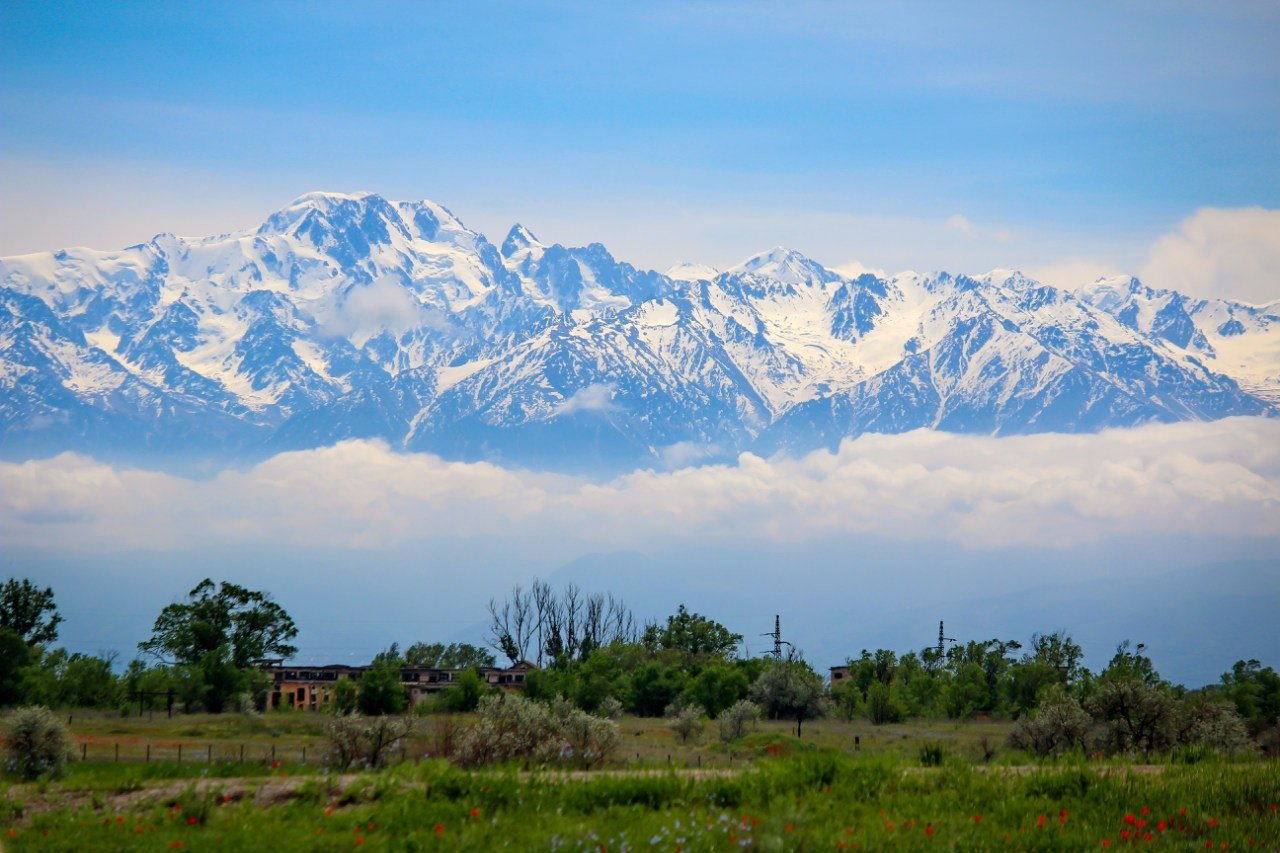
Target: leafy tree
{"points": [[693, 634], [1130, 663], [345, 695], [1058, 651], [57, 679], [654, 686], [1137, 714], [451, 656], [465, 693], [790, 690], [883, 704], [1025, 681], [717, 687], [29, 611], [15, 654], [967, 692], [248, 623], [381, 692], [1255, 692]]}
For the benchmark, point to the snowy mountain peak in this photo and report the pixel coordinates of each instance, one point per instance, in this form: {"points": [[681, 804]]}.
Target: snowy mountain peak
{"points": [[690, 271], [519, 239], [348, 315]]}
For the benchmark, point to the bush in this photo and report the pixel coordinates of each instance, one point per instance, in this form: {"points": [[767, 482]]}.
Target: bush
{"points": [[883, 705], [1058, 725], [686, 721], [610, 708], [513, 728], [737, 719], [37, 742], [930, 755], [367, 741]]}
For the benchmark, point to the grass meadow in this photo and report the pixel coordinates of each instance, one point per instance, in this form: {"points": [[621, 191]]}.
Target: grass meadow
{"points": [[920, 786]]}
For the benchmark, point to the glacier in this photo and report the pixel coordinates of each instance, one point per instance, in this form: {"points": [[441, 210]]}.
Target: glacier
{"points": [[352, 316]]}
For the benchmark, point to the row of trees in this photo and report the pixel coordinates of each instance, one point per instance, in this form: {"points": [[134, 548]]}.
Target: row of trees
{"points": [[595, 655]]}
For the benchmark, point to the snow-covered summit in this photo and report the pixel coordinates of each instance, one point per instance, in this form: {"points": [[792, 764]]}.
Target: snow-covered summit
{"points": [[351, 315]]}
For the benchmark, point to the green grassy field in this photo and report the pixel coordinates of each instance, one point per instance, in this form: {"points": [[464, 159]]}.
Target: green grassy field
{"points": [[769, 792], [297, 738]]}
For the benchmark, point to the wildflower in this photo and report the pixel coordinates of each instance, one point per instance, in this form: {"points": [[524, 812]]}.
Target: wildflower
{"points": [[1040, 820], [928, 829], [275, 765], [977, 818], [1129, 819], [475, 813], [1213, 821], [1146, 810], [1161, 826], [888, 825], [360, 840], [787, 828], [1146, 837], [1106, 842], [439, 829], [328, 812], [190, 821]]}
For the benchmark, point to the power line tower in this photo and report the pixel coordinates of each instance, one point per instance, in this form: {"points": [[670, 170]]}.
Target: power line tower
{"points": [[776, 634], [943, 639]]}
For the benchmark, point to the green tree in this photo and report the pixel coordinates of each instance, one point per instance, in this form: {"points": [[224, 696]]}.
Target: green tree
{"points": [[248, 623], [654, 686], [1129, 662], [967, 693], [790, 690], [1059, 652], [465, 693], [346, 692], [884, 705], [29, 611], [694, 635], [1255, 691], [381, 692], [15, 654], [717, 687], [451, 656]]}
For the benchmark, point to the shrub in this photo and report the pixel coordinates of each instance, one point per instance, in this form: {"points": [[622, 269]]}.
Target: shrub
{"points": [[737, 719], [513, 728], [610, 708], [1214, 724], [37, 742], [355, 739], [883, 705], [1058, 725], [930, 755], [686, 721]]}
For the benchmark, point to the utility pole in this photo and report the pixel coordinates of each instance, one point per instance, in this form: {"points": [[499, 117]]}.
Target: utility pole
{"points": [[776, 634], [943, 639]]}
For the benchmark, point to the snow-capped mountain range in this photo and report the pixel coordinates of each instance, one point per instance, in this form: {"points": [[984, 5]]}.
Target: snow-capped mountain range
{"points": [[348, 315]]}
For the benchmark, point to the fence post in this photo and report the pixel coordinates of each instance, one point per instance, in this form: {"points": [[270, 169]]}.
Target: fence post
{"points": [[179, 753], [148, 753], [242, 753], [273, 753], [210, 753], [304, 755], [117, 753], [84, 752]]}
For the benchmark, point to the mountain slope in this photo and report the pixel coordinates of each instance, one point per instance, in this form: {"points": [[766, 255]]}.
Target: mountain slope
{"points": [[351, 316]]}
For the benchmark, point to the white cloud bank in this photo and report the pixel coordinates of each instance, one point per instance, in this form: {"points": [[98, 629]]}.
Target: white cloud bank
{"points": [[1231, 252], [1214, 479]]}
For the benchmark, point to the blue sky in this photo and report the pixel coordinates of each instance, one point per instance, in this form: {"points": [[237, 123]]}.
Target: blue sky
{"points": [[702, 130]]}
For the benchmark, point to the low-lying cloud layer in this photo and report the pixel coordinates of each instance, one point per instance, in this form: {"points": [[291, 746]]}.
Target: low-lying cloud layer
{"points": [[1220, 479]]}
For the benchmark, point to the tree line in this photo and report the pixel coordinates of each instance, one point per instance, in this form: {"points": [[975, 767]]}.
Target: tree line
{"points": [[594, 654]]}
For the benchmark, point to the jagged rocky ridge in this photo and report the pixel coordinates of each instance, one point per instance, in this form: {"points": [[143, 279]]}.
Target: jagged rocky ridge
{"points": [[353, 316]]}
